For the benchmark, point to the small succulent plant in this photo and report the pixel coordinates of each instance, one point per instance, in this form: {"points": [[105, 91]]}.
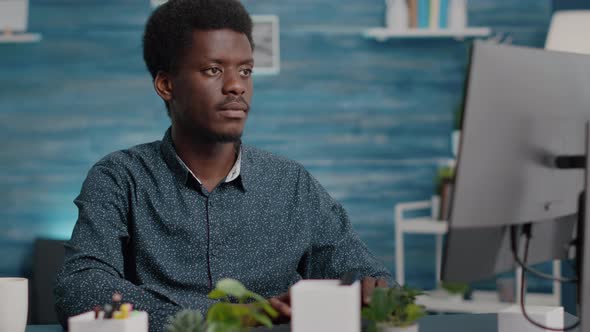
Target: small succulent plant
{"points": [[186, 321], [393, 307]]}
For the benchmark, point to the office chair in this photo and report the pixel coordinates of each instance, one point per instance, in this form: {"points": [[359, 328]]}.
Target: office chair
{"points": [[48, 259], [568, 31]]}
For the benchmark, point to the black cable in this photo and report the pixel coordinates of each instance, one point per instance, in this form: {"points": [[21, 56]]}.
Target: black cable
{"points": [[523, 293], [513, 234]]}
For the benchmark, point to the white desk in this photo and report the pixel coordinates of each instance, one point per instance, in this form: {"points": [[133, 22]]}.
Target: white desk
{"points": [[482, 302]]}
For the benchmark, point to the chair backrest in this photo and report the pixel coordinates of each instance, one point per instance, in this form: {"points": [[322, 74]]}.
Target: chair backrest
{"points": [[569, 31], [47, 261]]}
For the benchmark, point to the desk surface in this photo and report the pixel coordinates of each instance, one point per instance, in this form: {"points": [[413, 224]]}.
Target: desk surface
{"points": [[432, 323]]}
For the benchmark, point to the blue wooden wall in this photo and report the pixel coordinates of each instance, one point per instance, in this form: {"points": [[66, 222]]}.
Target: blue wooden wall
{"points": [[370, 120]]}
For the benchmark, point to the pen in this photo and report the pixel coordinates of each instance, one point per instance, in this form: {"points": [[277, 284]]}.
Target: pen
{"points": [[116, 299], [108, 311]]}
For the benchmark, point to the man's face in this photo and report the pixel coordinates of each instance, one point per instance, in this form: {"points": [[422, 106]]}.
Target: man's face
{"points": [[212, 88]]}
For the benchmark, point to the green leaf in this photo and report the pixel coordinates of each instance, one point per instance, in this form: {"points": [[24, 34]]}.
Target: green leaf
{"points": [[269, 310], [367, 313], [394, 306], [262, 319], [223, 327], [255, 296], [225, 316], [222, 312], [186, 321], [414, 312], [455, 287], [381, 304], [232, 287], [217, 294]]}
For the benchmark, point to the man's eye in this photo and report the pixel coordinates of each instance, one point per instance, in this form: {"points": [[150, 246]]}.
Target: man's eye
{"points": [[246, 72], [212, 71]]}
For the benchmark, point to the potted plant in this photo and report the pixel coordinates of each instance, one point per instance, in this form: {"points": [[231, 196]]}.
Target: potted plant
{"points": [[445, 178], [453, 291], [186, 321], [238, 310], [227, 315], [393, 310]]}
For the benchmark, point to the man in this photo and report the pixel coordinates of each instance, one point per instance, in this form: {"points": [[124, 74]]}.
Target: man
{"points": [[162, 222]]}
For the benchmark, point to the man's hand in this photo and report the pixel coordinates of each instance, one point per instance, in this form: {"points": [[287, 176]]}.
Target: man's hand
{"points": [[282, 304], [368, 284]]}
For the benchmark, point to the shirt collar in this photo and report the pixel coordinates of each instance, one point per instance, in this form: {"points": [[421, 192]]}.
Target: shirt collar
{"points": [[232, 175], [183, 173]]}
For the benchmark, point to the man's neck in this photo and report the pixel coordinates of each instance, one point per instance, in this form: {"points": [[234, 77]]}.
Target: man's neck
{"points": [[210, 162]]}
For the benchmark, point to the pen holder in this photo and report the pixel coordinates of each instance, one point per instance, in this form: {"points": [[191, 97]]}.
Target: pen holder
{"points": [[325, 306], [86, 322]]}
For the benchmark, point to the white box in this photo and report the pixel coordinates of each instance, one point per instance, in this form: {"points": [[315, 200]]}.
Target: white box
{"points": [[511, 319], [86, 323], [325, 306]]}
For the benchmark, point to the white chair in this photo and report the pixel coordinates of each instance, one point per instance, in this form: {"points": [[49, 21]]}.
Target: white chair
{"points": [[569, 31]]}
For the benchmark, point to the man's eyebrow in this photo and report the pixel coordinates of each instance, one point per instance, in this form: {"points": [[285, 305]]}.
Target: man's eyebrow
{"points": [[244, 62], [249, 61]]}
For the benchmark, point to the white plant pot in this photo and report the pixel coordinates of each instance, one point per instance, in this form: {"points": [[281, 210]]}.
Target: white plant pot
{"points": [[383, 327], [14, 301]]}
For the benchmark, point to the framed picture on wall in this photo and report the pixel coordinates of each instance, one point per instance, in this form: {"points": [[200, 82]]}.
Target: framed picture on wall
{"points": [[266, 44]]}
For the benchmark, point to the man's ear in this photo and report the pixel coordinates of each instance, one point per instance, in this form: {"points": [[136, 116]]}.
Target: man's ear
{"points": [[163, 86]]}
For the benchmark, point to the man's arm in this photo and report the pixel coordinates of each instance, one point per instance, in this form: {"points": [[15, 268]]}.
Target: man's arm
{"points": [[336, 247], [97, 256]]}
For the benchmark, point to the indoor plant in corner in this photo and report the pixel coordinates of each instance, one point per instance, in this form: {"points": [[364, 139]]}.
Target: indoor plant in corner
{"points": [[237, 311], [393, 310]]}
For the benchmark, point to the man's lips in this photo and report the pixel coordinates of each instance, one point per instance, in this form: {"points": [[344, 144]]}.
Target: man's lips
{"points": [[234, 110], [234, 106]]}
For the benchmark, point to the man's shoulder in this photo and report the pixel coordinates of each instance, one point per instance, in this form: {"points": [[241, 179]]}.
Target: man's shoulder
{"points": [[132, 157], [266, 159]]}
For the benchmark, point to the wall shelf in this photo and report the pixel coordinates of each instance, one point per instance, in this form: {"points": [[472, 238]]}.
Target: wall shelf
{"points": [[382, 34], [20, 38]]}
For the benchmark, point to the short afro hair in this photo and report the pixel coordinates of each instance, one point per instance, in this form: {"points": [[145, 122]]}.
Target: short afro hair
{"points": [[169, 29]]}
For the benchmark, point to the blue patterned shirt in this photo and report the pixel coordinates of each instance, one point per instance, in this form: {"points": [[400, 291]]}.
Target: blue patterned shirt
{"points": [[147, 229]]}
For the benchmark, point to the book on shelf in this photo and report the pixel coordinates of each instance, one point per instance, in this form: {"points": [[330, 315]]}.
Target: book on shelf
{"points": [[432, 14], [443, 11], [413, 13], [423, 14]]}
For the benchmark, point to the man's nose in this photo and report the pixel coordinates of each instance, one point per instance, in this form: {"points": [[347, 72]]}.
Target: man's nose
{"points": [[234, 84]]}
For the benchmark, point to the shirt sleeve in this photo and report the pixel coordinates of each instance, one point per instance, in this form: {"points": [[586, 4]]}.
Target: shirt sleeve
{"points": [[97, 257], [335, 247]]}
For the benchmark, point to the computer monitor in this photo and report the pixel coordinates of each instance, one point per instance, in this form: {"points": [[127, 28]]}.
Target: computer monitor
{"points": [[524, 107]]}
